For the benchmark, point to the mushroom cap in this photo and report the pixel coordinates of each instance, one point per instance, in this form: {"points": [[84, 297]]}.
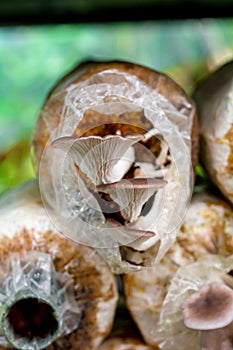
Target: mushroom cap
{"points": [[209, 308]]}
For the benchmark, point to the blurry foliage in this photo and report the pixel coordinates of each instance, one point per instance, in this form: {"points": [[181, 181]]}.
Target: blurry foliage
{"points": [[32, 59], [15, 165]]}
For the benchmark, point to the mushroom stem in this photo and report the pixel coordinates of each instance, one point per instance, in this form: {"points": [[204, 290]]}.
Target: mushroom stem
{"points": [[218, 339], [150, 133]]}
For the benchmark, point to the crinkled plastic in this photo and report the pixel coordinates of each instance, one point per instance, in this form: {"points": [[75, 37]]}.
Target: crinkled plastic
{"points": [[38, 262], [170, 332], [107, 92], [34, 276]]}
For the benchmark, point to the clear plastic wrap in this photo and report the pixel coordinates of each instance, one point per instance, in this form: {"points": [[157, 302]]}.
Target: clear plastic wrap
{"points": [[207, 228], [170, 332], [70, 288], [70, 200], [32, 282]]}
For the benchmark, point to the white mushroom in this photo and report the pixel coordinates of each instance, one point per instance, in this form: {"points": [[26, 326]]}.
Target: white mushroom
{"points": [[132, 194], [103, 159]]}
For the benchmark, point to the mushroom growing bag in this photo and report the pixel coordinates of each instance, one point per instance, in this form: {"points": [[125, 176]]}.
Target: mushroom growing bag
{"points": [[214, 99], [207, 228], [113, 146], [54, 294], [171, 332]]}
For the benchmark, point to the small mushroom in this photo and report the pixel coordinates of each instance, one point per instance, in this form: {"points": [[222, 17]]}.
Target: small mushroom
{"points": [[132, 194], [209, 308], [103, 159]]}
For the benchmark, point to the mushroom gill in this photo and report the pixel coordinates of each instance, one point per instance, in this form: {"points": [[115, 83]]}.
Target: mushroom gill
{"points": [[132, 194], [103, 159], [126, 235]]}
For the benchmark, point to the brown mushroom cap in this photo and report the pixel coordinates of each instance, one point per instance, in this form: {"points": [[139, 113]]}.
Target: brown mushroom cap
{"points": [[209, 308]]}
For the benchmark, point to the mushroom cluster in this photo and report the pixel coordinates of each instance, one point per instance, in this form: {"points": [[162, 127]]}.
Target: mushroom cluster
{"points": [[115, 147]]}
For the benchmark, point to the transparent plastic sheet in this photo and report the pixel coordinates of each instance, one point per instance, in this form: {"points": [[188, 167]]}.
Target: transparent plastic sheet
{"points": [[29, 243], [170, 332], [33, 276], [108, 92]]}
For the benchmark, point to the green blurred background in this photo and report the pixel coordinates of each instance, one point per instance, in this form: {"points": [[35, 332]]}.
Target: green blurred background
{"points": [[33, 58]]}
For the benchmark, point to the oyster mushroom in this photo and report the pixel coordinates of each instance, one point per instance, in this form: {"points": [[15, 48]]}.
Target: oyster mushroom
{"points": [[207, 228], [111, 122], [100, 158], [132, 194], [54, 293], [209, 308], [213, 96]]}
